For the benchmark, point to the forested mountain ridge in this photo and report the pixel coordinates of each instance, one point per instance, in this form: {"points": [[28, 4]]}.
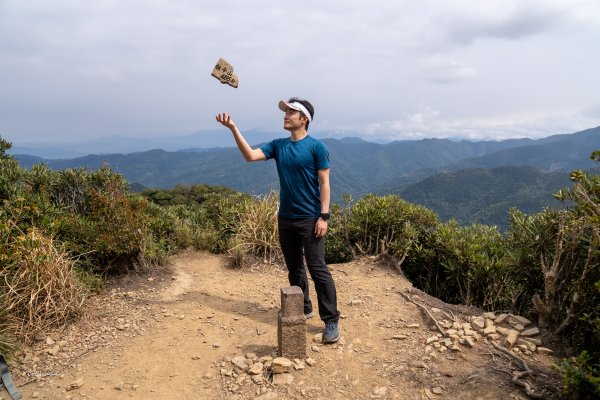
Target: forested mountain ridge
{"points": [[360, 167], [555, 153], [484, 195]]}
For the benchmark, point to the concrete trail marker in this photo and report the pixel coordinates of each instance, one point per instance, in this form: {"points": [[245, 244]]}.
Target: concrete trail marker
{"points": [[291, 324], [223, 71]]}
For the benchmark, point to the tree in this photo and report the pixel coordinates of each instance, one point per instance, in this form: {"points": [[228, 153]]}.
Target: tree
{"points": [[9, 171]]}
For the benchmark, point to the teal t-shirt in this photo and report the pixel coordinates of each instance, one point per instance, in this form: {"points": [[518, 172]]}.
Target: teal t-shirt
{"points": [[298, 164]]}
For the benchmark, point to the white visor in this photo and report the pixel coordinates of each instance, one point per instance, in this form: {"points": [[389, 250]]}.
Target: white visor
{"points": [[284, 106]]}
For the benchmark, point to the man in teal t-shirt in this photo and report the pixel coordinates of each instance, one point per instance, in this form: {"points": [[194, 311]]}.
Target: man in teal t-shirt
{"points": [[303, 167]]}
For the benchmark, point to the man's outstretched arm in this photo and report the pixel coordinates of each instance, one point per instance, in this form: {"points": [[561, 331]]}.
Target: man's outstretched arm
{"points": [[248, 152], [324, 188]]}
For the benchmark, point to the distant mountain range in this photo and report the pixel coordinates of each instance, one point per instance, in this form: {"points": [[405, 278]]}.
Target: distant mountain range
{"points": [[359, 167], [203, 140]]}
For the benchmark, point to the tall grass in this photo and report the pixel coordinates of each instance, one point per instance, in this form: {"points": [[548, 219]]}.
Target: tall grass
{"points": [[40, 287], [256, 232], [7, 342]]}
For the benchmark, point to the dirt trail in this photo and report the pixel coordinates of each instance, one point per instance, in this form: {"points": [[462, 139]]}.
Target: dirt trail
{"points": [[173, 337]]}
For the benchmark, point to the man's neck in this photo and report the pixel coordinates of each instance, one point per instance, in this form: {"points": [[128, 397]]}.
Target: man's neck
{"points": [[298, 134]]}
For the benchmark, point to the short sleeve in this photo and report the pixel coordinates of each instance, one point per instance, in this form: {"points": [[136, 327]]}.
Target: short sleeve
{"points": [[322, 156], [268, 150]]}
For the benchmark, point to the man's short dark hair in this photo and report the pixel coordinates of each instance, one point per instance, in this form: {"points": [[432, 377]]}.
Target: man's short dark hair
{"points": [[307, 105]]}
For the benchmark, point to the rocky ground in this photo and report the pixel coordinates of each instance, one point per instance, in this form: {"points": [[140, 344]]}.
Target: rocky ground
{"points": [[208, 331]]}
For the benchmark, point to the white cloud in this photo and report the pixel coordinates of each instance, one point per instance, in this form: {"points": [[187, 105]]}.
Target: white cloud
{"points": [[478, 63], [507, 21], [592, 112], [463, 22], [441, 69], [105, 72], [429, 123]]}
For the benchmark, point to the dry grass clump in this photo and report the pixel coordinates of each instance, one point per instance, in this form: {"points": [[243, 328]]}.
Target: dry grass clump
{"points": [[256, 232], [38, 286], [6, 344]]}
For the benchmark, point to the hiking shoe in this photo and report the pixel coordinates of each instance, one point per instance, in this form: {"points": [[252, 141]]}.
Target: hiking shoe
{"points": [[309, 315], [331, 333]]}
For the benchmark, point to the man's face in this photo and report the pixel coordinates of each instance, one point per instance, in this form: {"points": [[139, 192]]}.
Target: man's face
{"points": [[293, 119]]}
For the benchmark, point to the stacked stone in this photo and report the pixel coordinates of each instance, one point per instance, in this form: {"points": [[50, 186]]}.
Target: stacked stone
{"points": [[458, 333], [250, 368], [511, 331], [282, 371]]}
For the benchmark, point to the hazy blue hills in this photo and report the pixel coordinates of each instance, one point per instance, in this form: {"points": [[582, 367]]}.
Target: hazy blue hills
{"points": [[205, 139], [360, 167], [555, 153], [407, 158]]}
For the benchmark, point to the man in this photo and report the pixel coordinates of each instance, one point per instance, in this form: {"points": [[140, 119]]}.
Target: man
{"points": [[303, 167]]}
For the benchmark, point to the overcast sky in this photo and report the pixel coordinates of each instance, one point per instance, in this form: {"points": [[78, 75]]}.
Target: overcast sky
{"points": [[394, 69]]}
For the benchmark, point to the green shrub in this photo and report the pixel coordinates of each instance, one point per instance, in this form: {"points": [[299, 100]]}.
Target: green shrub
{"points": [[464, 265], [389, 224], [156, 250], [193, 227], [581, 376], [556, 259], [59, 233], [186, 194], [90, 212], [111, 235], [208, 220], [560, 250], [531, 237], [10, 172], [338, 247], [161, 224]]}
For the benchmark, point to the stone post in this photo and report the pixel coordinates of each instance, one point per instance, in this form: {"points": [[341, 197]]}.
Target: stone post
{"points": [[291, 324]]}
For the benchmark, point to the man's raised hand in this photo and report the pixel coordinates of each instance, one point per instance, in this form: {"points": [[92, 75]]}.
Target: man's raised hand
{"points": [[226, 120]]}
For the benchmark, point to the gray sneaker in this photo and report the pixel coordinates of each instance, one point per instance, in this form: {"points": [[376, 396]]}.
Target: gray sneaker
{"points": [[331, 333], [309, 315]]}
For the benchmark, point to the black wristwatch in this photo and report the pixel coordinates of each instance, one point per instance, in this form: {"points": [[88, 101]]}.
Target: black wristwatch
{"points": [[325, 216]]}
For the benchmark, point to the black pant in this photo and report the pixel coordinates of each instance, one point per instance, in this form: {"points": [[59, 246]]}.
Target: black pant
{"points": [[296, 236]]}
